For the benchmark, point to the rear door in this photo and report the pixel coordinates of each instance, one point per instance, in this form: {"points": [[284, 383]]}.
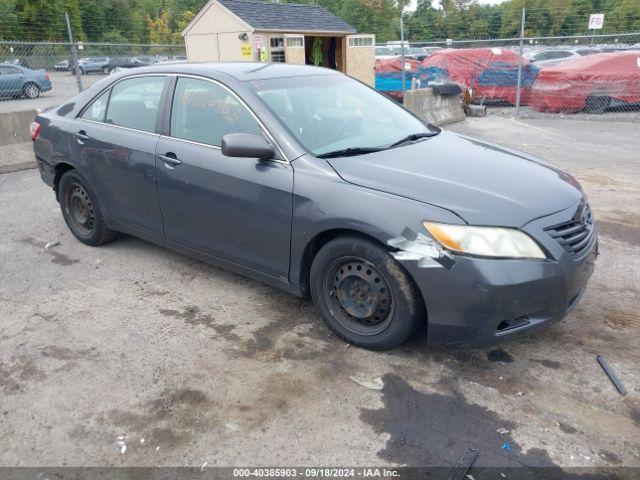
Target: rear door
{"points": [[237, 209], [114, 142]]}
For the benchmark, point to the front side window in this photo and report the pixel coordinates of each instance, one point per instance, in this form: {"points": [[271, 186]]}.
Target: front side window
{"points": [[135, 102], [328, 113], [204, 112]]}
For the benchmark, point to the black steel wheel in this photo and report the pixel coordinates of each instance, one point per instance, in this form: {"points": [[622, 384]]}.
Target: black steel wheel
{"points": [[81, 211], [364, 295], [361, 295]]}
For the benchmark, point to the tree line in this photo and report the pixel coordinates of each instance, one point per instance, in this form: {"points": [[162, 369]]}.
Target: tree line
{"points": [[161, 21]]}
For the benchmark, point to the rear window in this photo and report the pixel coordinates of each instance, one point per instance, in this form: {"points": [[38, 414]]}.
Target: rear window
{"points": [[134, 103]]}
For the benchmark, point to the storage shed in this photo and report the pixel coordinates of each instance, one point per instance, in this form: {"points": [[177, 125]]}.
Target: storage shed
{"points": [[254, 30]]}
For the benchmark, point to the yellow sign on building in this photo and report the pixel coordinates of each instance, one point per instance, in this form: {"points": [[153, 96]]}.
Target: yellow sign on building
{"points": [[246, 51]]}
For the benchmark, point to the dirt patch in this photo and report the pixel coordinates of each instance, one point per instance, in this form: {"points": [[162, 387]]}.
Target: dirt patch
{"points": [[18, 371], [436, 429], [619, 320], [568, 429], [621, 232], [58, 258], [191, 315], [170, 419], [66, 354], [628, 218], [499, 356], [552, 364]]}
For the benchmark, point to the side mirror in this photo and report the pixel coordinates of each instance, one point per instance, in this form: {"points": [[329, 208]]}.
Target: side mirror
{"points": [[247, 145]]}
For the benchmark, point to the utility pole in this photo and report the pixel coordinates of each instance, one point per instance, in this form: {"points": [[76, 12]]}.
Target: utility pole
{"points": [[520, 64], [74, 55]]}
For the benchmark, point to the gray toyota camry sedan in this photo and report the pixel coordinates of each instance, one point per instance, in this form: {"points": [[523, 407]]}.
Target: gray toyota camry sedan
{"points": [[310, 181]]}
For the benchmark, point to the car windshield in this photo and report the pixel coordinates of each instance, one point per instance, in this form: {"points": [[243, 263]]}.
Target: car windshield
{"points": [[331, 113]]}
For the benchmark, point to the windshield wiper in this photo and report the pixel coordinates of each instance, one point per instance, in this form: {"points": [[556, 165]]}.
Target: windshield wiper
{"points": [[349, 152], [412, 138]]}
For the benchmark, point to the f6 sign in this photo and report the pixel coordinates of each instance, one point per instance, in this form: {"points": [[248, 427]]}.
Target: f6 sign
{"points": [[596, 21]]}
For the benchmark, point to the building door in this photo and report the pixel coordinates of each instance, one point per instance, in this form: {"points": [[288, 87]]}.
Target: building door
{"points": [[294, 49], [360, 57]]}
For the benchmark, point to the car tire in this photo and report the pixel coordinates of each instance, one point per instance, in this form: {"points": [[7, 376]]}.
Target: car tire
{"points": [[597, 104], [81, 210], [364, 295], [31, 91]]}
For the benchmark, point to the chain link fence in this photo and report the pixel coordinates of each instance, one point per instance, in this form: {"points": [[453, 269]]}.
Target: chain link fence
{"points": [[36, 75], [522, 75]]}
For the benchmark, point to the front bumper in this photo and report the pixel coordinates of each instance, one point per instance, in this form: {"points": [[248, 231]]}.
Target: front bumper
{"points": [[481, 301]]}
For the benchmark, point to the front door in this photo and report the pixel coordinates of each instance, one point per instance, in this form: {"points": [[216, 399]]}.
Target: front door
{"points": [[237, 209], [114, 142]]}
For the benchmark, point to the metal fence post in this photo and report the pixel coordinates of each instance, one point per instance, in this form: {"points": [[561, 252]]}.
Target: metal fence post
{"points": [[74, 55], [518, 91], [404, 75]]}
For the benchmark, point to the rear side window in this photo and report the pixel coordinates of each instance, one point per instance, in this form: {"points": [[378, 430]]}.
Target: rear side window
{"points": [[134, 103], [97, 109], [204, 112]]}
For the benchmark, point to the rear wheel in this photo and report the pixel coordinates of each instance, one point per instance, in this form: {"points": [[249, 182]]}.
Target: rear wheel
{"points": [[81, 211], [31, 91], [364, 295]]}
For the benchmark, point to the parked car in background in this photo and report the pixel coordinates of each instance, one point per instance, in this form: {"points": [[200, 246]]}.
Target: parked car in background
{"points": [[125, 63], [593, 83], [492, 73], [62, 66], [551, 57], [391, 224], [382, 52], [92, 65], [21, 62], [17, 81], [388, 75]]}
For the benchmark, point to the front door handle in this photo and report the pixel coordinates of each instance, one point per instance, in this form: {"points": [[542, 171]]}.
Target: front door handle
{"points": [[170, 159], [82, 135]]}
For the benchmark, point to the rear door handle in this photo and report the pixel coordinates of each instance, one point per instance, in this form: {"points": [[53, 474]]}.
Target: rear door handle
{"points": [[82, 135], [170, 159]]}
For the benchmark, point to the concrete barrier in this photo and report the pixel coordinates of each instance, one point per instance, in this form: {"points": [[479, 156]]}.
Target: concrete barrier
{"points": [[435, 109], [16, 148], [14, 126]]}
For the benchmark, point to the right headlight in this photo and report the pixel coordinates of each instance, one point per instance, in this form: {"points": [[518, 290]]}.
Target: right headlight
{"points": [[485, 241]]}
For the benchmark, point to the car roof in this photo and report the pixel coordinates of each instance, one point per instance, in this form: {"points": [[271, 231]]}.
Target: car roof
{"points": [[242, 71]]}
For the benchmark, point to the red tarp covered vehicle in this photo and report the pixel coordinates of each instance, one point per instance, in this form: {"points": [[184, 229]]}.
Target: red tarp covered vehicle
{"points": [[389, 75], [591, 83], [491, 72]]}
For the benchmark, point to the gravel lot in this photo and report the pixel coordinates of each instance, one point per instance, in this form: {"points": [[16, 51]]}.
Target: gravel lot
{"points": [[207, 366]]}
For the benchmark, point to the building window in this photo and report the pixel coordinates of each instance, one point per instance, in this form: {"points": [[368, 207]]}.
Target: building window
{"points": [[276, 45], [364, 41], [295, 42]]}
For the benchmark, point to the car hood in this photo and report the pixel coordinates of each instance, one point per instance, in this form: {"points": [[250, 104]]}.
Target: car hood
{"points": [[483, 183]]}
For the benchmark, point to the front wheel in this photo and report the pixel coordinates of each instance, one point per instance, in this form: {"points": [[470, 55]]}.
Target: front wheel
{"points": [[364, 295], [81, 211]]}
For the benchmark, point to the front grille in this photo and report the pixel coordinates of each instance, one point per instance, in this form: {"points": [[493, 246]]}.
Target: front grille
{"points": [[574, 236]]}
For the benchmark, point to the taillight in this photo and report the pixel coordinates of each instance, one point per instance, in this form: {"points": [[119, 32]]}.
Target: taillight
{"points": [[34, 129], [46, 77]]}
